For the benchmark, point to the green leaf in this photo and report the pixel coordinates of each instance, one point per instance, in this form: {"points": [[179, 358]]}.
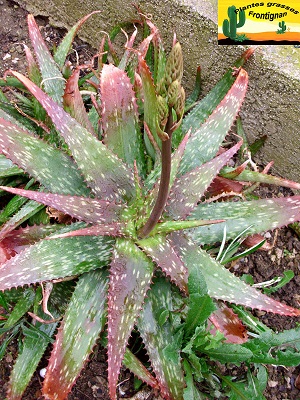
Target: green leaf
{"points": [[21, 308], [161, 251], [9, 113], [51, 167], [26, 211], [56, 258], [150, 106], [53, 81], [207, 105], [229, 353], [27, 361], [83, 321], [14, 204], [256, 215], [134, 364], [253, 176], [281, 281], [190, 392], [257, 384], [83, 208], [193, 97], [281, 348], [161, 343], [237, 390], [199, 309], [65, 46], [107, 175], [7, 168], [190, 187], [130, 277], [224, 285], [206, 139]]}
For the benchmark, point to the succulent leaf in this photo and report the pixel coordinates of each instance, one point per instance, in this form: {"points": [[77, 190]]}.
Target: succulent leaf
{"points": [[33, 348], [73, 102], [21, 308], [65, 46], [26, 211], [253, 176], [206, 106], [15, 241], [227, 322], [161, 251], [256, 215], [188, 188], [130, 277], [222, 284], [53, 80], [150, 105], [120, 116], [83, 321], [206, 139], [7, 168], [52, 168], [161, 342], [107, 176], [32, 68], [83, 208], [135, 365], [114, 229], [54, 259]]}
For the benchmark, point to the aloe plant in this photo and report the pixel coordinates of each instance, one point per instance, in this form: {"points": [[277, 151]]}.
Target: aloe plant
{"points": [[134, 176]]}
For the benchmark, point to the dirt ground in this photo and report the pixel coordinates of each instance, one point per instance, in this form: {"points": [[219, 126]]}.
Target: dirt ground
{"points": [[284, 255]]}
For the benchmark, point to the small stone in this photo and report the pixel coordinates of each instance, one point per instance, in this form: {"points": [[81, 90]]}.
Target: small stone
{"points": [[19, 49], [6, 57], [272, 383]]}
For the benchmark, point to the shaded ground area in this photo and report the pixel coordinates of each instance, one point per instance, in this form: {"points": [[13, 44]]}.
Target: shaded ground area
{"points": [[285, 254]]}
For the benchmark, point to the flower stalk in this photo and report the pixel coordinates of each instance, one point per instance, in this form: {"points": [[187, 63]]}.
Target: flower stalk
{"points": [[163, 190]]}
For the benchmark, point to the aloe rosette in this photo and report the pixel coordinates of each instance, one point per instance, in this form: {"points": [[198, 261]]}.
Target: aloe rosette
{"points": [[128, 224]]}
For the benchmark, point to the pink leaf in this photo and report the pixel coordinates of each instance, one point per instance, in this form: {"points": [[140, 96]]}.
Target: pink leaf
{"points": [[82, 208], [104, 172], [53, 80], [73, 102], [114, 229], [227, 322], [162, 252], [130, 278], [188, 189], [222, 284]]}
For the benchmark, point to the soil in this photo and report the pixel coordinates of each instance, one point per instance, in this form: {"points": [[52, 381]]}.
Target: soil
{"points": [[262, 265]]}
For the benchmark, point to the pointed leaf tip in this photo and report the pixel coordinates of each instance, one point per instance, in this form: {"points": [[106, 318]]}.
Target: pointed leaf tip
{"points": [[83, 208], [108, 177], [130, 277]]}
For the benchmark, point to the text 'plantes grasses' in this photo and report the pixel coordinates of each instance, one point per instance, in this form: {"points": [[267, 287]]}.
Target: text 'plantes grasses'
{"points": [[131, 184]]}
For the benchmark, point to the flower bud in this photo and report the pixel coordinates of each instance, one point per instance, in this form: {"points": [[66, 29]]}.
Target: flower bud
{"points": [[162, 111], [173, 93], [179, 105], [174, 65]]}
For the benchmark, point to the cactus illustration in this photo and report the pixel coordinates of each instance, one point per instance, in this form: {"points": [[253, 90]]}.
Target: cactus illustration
{"points": [[229, 27], [282, 27]]}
